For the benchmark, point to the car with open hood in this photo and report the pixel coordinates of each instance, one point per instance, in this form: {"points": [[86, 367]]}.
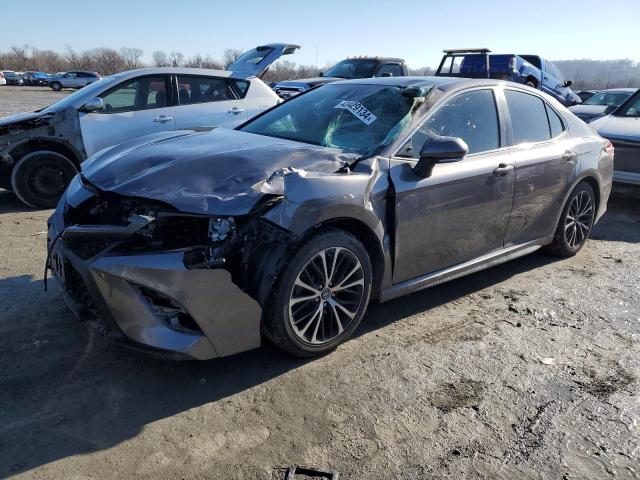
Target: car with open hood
{"points": [[202, 243], [622, 128], [602, 103], [41, 151]]}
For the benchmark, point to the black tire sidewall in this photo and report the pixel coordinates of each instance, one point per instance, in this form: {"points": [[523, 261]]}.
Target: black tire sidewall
{"points": [[56, 86], [22, 169], [279, 311]]}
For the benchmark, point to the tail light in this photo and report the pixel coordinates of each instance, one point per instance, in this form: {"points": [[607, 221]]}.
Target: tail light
{"points": [[1, 75], [608, 147], [512, 63]]}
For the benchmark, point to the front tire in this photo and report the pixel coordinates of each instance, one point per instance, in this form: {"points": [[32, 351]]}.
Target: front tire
{"points": [[320, 296], [575, 222], [40, 178], [56, 86]]}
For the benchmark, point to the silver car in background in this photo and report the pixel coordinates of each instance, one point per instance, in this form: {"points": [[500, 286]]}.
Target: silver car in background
{"points": [[622, 128], [73, 80], [601, 104]]}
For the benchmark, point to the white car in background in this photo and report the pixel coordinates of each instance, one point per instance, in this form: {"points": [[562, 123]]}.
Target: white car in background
{"points": [[40, 152]]}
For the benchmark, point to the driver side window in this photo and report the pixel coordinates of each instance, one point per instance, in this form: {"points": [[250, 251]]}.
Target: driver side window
{"points": [[136, 94], [471, 116]]}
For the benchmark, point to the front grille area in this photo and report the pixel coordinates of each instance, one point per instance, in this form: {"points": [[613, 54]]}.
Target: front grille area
{"points": [[86, 249]]}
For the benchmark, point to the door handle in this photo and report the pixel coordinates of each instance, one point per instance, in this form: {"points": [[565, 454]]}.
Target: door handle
{"points": [[236, 110], [503, 169], [569, 155], [163, 119]]}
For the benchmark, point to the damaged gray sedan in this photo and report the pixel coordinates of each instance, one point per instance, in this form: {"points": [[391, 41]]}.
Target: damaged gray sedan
{"points": [[200, 244]]}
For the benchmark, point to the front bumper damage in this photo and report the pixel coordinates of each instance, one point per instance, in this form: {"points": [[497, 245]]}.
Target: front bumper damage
{"points": [[143, 298]]}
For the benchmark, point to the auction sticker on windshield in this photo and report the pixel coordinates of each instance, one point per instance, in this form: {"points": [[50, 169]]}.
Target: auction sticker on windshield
{"points": [[359, 110]]}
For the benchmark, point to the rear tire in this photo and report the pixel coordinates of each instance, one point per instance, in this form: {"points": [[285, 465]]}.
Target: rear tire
{"points": [[56, 86], [530, 83], [320, 296], [40, 178], [575, 222]]}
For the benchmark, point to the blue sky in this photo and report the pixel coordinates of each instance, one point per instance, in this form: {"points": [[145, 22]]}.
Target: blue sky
{"points": [[416, 30]]}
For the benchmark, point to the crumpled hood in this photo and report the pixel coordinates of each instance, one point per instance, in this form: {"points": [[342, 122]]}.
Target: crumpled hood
{"points": [[208, 173], [614, 127], [21, 117]]}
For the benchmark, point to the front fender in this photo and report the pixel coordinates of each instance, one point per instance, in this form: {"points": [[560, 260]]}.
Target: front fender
{"points": [[530, 71], [311, 198]]}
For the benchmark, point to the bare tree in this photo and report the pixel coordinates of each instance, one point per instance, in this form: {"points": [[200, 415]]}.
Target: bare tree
{"points": [[21, 56], [77, 60], [160, 59], [48, 61], [198, 61], [600, 74], [208, 62], [177, 59], [230, 55], [132, 57], [107, 61]]}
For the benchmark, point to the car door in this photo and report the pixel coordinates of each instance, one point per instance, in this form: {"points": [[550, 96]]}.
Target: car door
{"points": [[135, 107], [70, 80], [206, 101], [461, 211], [83, 79], [553, 85], [545, 160]]}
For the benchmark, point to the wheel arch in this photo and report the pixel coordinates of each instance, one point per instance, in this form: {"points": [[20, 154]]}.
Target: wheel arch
{"points": [[365, 235], [595, 185], [269, 260], [588, 177], [35, 144]]}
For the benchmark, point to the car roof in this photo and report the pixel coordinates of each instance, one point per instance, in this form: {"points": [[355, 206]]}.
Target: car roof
{"points": [[172, 71], [380, 59], [443, 83]]}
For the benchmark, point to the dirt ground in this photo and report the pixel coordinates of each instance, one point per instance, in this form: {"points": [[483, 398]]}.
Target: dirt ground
{"points": [[528, 370]]}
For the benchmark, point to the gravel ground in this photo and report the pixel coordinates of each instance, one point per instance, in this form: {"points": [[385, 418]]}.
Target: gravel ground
{"points": [[25, 99], [528, 370]]}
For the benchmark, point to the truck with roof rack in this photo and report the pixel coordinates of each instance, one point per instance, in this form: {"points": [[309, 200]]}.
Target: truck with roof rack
{"points": [[531, 70]]}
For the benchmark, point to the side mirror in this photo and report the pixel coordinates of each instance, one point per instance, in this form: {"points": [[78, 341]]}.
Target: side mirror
{"points": [[92, 105], [387, 74], [321, 74], [439, 149], [568, 83], [610, 109]]}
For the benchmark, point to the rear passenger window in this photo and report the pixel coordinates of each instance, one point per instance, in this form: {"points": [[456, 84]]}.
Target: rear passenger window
{"points": [[471, 116], [240, 86], [528, 117], [554, 122], [203, 90]]}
